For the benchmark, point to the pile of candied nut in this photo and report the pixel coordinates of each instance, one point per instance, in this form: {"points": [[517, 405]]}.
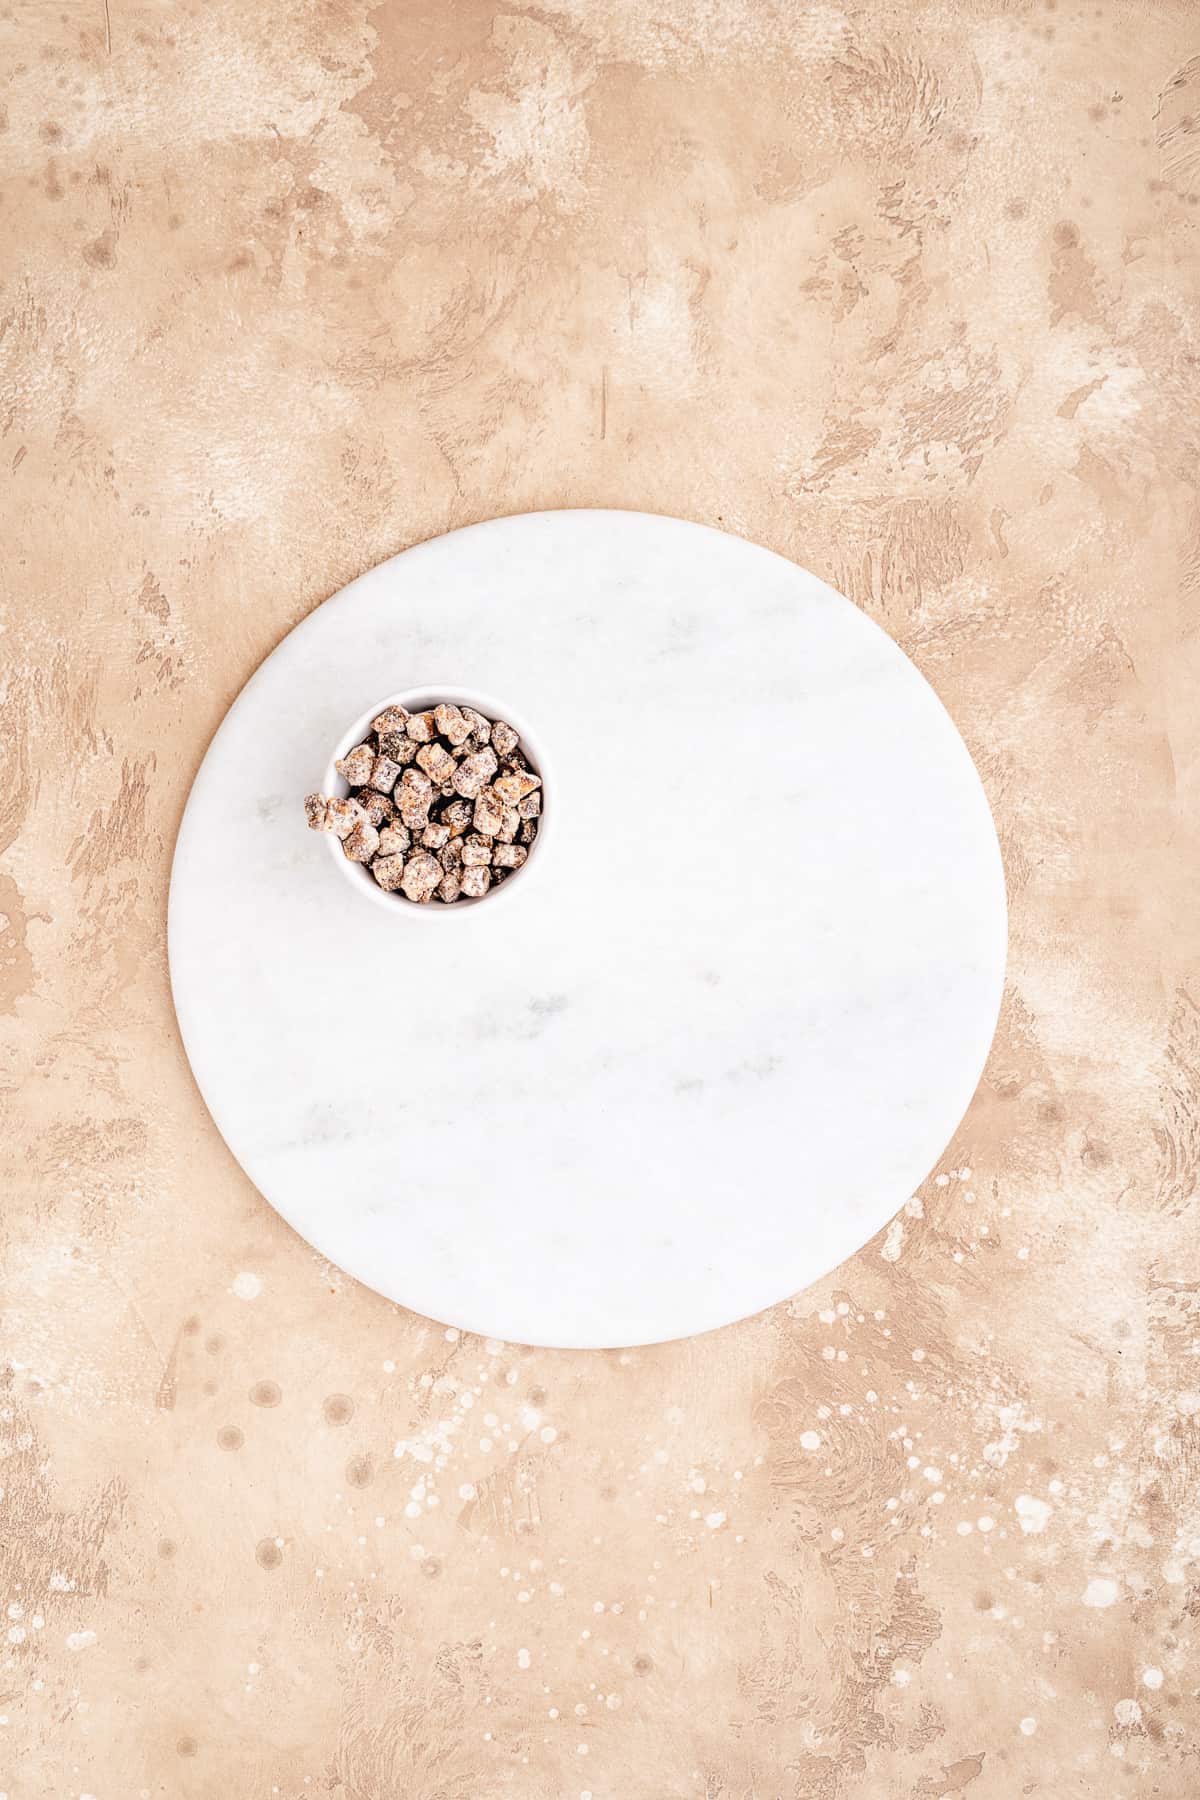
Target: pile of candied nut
{"points": [[443, 804]]}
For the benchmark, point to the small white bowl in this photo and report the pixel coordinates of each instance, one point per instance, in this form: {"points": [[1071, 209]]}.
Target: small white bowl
{"points": [[419, 700]]}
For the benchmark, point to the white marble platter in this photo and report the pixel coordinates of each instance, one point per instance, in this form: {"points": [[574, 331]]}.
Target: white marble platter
{"points": [[707, 1046]]}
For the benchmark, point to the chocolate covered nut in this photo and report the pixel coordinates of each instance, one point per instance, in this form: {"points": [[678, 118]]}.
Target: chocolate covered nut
{"points": [[489, 812], [361, 843], [392, 718], [388, 872], [315, 812], [476, 851], [508, 856], [377, 807], [412, 797], [421, 728], [530, 805], [476, 881], [356, 765], [399, 746], [437, 762], [394, 840], [451, 723], [481, 728], [341, 816], [474, 772], [449, 887], [435, 837], [504, 738], [416, 781], [514, 787], [422, 874], [383, 774]]}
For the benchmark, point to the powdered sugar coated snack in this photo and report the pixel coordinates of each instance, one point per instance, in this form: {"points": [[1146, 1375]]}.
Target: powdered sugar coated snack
{"points": [[443, 805]]}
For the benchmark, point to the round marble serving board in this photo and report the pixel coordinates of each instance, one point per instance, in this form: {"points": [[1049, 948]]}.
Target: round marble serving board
{"points": [[721, 1032]]}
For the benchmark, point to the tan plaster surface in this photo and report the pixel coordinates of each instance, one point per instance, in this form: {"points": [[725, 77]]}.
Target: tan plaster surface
{"points": [[908, 292]]}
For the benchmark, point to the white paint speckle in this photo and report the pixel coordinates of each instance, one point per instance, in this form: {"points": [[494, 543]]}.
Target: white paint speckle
{"points": [[1033, 1514], [1127, 1712], [986, 1523], [893, 1243], [1028, 1727], [1152, 1677], [714, 1520], [901, 1677], [522, 1659], [246, 1285], [810, 1440], [1101, 1590], [81, 1640]]}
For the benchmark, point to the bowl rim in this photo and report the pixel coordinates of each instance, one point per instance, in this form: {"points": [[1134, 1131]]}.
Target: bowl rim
{"points": [[418, 698]]}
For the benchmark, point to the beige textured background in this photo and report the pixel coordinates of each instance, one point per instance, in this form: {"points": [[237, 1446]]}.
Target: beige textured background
{"points": [[908, 292]]}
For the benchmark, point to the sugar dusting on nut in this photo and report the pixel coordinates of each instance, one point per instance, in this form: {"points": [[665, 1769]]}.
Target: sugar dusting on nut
{"points": [[443, 804]]}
